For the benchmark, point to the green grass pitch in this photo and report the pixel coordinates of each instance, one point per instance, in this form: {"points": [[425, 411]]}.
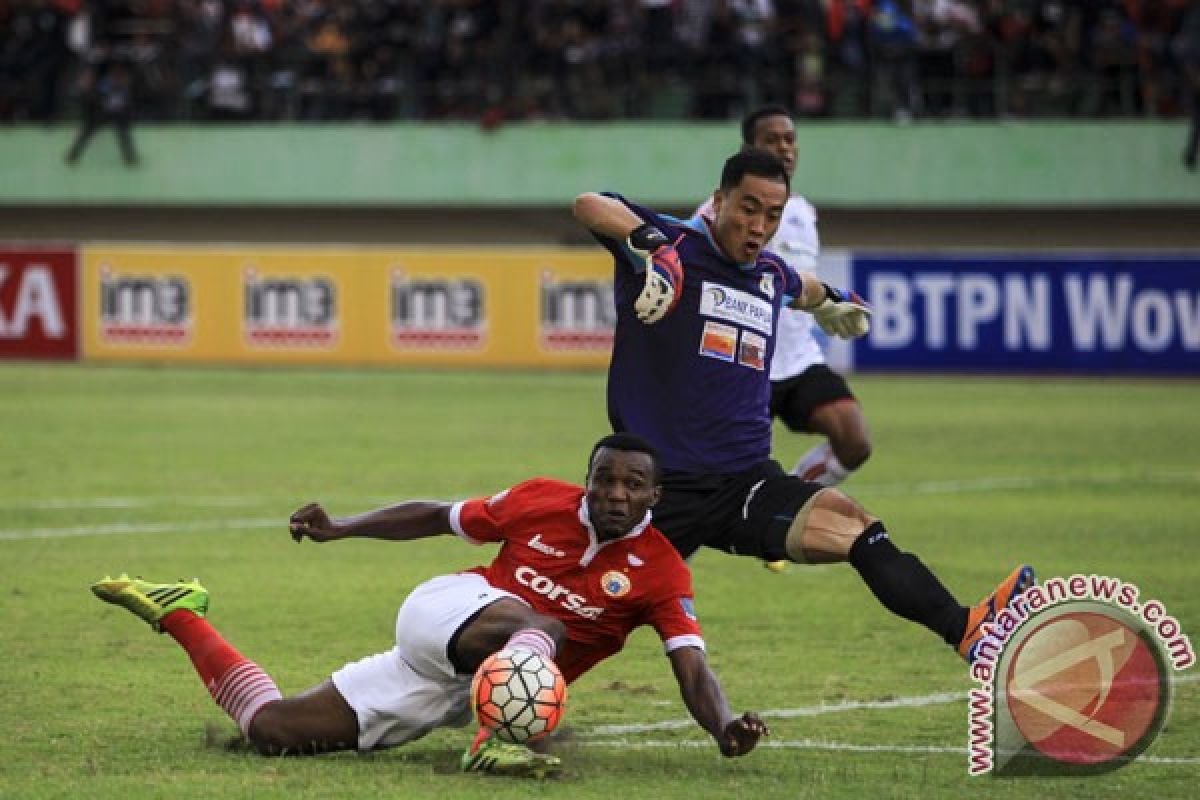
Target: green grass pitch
{"points": [[172, 472]]}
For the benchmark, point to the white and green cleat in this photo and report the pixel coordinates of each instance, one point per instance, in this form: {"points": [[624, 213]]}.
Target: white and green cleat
{"points": [[152, 601], [493, 757]]}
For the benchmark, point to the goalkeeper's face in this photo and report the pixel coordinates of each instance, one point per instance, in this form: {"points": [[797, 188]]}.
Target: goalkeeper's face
{"points": [[747, 216]]}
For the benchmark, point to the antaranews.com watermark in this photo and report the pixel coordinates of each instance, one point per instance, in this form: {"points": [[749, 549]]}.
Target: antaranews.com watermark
{"points": [[1074, 678]]}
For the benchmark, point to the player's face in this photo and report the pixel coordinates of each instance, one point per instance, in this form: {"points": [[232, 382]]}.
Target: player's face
{"points": [[777, 135], [620, 489], [747, 216]]}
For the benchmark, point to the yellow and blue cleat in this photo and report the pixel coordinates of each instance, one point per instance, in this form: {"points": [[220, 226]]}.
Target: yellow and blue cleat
{"points": [[152, 601]]}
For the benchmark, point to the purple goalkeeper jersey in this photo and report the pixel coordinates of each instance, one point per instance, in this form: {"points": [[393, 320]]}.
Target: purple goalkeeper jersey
{"points": [[697, 384]]}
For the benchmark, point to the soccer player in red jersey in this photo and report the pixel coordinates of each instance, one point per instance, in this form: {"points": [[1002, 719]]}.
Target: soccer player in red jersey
{"points": [[578, 569]]}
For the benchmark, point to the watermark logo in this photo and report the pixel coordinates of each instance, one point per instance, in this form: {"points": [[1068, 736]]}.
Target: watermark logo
{"points": [[1074, 679]]}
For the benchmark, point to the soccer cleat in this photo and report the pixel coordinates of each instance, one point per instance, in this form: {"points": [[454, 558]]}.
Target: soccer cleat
{"points": [[488, 754], [152, 601], [778, 567], [984, 612]]}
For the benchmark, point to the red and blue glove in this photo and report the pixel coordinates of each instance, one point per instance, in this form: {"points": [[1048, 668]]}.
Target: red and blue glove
{"points": [[664, 273]]}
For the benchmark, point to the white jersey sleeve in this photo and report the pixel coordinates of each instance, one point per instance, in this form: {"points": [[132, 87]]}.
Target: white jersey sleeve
{"points": [[797, 243]]}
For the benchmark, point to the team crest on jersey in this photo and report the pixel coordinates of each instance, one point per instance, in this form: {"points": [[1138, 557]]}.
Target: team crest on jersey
{"points": [[615, 584], [767, 285]]}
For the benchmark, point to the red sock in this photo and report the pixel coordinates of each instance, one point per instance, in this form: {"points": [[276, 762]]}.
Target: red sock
{"points": [[238, 685]]}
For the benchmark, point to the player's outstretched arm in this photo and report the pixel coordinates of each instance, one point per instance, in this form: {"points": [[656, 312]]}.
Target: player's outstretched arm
{"points": [[704, 698], [411, 520], [839, 312], [651, 252]]}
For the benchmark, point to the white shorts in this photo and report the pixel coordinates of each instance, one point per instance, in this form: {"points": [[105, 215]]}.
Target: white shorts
{"points": [[403, 694]]}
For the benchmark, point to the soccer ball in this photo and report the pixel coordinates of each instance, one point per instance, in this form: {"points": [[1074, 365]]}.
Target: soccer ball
{"points": [[518, 695]]}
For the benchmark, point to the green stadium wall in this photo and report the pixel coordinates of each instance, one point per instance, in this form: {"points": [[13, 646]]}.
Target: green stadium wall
{"points": [[1127, 164]]}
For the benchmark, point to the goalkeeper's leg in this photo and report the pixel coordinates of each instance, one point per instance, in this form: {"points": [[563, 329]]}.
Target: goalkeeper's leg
{"points": [[831, 527]]}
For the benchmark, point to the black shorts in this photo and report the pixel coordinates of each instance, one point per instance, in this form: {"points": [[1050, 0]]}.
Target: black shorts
{"points": [[744, 513], [794, 399]]}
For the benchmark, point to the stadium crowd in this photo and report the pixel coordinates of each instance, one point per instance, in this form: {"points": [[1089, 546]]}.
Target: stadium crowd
{"points": [[603, 59]]}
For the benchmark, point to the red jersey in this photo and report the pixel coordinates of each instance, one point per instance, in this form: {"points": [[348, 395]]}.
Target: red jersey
{"points": [[551, 558]]}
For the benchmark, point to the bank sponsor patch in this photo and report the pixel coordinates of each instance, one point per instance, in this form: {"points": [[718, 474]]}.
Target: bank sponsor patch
{"points": [[734, 305], [718, 341]]}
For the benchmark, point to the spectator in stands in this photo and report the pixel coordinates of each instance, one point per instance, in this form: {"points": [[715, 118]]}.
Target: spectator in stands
{"points": [[600, 59], [107, 94], [1187, 50]]}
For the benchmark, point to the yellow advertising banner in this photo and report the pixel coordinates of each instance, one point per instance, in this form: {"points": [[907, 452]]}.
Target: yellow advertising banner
{"points": [[502, 307]]}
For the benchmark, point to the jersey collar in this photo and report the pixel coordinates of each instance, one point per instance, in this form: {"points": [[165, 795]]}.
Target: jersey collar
{"points": [[594, 543]]}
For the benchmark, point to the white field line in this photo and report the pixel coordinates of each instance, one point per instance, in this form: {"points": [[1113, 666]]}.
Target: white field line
{"points": [[118, 503], [916, 701], [999, 483], [121, 503], [815, 744], [910, 701], [596, 737], [142, 527]]}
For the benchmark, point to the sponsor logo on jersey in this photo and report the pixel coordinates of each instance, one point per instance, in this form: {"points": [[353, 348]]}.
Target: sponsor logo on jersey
{"points": [[689, 607], [537, 544], [145, 309], [548, 588], [766, 285], [734, 305], [753, 351], [437, 313], [576, 314], [289, 311], [615, 584], [718, 341]]}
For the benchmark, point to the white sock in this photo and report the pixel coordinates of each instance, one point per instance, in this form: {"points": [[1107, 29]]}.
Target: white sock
{"points": [[820, 465], [243, 691], [535, 640]]}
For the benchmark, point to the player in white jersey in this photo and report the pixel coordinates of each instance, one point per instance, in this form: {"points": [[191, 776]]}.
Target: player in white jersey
{"points": [[805, 393]]}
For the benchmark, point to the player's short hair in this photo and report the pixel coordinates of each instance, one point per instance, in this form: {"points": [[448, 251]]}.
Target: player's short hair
{"points": [[753, 161], [751, 120], [629, 443]]}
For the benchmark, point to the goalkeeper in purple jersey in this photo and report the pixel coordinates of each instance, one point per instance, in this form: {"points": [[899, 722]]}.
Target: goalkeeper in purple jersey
{"points": [[697, 304]]}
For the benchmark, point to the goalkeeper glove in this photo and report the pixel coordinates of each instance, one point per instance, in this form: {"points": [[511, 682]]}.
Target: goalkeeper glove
{"points": [[842, 313], [664, 273]]}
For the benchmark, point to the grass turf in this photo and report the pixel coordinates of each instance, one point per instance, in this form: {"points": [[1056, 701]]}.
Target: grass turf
{"points": [[180, 472]]}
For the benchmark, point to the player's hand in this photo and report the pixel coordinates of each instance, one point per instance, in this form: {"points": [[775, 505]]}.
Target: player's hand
{"points": [[312, 521], [742, 734], [843, 313], [664, 273]]}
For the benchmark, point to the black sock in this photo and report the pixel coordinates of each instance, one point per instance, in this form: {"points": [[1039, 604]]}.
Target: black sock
{"points": [[906, 586]]}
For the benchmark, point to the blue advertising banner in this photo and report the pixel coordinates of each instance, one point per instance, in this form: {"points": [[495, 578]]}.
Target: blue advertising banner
{"points": [[1031, 312]]}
